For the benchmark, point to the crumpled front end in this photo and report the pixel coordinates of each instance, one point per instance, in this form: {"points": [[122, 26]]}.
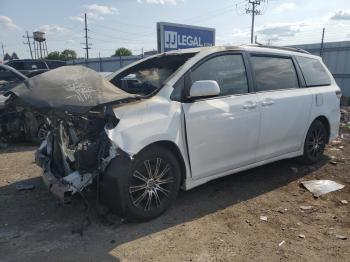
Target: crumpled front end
{"points": [[75, 152]]}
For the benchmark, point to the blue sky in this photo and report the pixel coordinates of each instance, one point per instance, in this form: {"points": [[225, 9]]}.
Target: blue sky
{"points": [[132, 23]]}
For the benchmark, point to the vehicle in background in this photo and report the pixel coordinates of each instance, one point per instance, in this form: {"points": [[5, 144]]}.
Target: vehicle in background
{"points": [[32, 67], [17, 123], [180, 119]]}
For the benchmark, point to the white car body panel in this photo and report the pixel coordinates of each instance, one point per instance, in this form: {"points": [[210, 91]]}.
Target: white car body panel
{"points": [[209, 124], [284, 120]]}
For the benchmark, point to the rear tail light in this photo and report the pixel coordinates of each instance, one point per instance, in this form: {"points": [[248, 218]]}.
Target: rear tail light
{"points": [[338, 93]]}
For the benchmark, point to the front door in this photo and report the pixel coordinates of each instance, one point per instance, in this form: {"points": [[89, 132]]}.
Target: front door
{"points": [[222, 132]]}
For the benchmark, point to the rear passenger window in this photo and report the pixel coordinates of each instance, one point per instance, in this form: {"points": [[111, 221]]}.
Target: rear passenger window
{"points": [[227, 70], [313, 71], [273, 73]]}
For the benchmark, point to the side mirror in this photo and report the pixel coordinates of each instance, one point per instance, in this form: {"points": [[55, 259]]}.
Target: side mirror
{"points": [[204, 88]]}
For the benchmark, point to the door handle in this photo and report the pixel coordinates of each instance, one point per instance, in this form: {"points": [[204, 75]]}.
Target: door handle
{"points": [[267, 102], [249, 105]]}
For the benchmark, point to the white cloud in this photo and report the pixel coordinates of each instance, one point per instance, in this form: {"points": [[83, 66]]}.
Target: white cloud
{"points": [[53, 29], [77, 18], [280, 30], [95, 12], [340, 15], [7, 23], [101, 9], [158, 2], [285, 6]]}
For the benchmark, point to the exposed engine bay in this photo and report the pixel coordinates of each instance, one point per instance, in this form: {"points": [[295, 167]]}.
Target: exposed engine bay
{"points": [[76, 151]]}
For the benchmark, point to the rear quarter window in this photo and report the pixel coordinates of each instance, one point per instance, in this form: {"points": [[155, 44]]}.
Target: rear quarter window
{"points": [[313, 71]]}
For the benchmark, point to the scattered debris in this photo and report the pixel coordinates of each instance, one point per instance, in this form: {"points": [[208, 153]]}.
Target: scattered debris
{"points": [[282, 211], [321, 187], [301, 236], [343, 201], [263, 218], [22, 187], [306, 207], [341, 237], [248, 222], [280, 244], [333, 162]]}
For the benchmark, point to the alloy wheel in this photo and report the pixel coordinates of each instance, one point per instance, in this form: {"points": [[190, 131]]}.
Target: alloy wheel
{"points": [[316, 142], [151, 184]]}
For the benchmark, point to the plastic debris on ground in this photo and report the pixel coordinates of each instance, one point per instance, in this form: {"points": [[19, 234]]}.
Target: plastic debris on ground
{"points": [[263, 218], [321, 187], [306, 207]]}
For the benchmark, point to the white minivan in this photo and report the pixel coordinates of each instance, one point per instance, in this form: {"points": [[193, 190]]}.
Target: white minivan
{"points": [[180, 119]]}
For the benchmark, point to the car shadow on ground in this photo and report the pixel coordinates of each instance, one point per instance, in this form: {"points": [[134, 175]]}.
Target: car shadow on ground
{"points": [[37, 207], [6, 148]]}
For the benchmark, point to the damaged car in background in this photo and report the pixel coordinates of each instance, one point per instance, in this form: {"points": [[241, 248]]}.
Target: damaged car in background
{"points": [[17, 124], [179, 119]]}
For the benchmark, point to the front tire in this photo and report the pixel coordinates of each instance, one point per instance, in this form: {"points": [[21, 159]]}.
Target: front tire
{"points": [[315, 143], [152, 184]]}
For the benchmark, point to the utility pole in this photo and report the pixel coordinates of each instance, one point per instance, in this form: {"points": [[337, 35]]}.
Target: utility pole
{"points": [[30, 46], [3, 51], [86, 39], [322, 42], [253, 11]]}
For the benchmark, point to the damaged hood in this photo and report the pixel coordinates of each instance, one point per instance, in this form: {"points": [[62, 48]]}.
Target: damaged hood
{"points": [[74, 89]]}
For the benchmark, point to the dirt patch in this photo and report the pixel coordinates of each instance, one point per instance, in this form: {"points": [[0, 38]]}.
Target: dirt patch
{"points": [[250, 216]]}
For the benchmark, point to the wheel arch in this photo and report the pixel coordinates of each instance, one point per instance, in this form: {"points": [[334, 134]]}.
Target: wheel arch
{"points": [[324, 120], [173, 148]]}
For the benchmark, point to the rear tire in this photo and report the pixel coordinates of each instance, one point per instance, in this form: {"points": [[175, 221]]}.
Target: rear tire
{"points": [[152, 184], [315, 143]]}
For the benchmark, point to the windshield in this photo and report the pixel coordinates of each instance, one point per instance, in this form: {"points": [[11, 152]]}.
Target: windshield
{"points": [[150, 75]]}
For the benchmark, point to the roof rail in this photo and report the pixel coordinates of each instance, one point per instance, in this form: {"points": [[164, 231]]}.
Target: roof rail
{"points": [[294, 49]]}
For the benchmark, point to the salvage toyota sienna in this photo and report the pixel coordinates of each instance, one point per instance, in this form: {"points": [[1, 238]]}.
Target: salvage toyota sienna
{"points": [[178, 120]]}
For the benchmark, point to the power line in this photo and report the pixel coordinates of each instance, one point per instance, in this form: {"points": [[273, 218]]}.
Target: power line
{"points": [[253, 11]]}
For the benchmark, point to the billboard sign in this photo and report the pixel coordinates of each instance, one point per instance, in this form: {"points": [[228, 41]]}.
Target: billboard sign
{"points": [[176, 36]]}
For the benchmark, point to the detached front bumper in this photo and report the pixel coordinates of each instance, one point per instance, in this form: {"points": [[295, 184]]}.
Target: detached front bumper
{"points": [[62, 187], [59, 189]]}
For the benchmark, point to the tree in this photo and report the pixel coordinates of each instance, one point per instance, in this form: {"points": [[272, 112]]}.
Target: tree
{"points": [[68, 54], [55, 55], [14, 56], [7, 57], [122, 51]]}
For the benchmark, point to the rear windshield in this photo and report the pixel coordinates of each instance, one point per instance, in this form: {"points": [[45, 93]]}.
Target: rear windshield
{"points": [[313, 71], [150, 75]]}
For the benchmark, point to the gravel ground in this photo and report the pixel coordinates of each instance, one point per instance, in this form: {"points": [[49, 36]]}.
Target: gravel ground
{"points": [[219, 221]]}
